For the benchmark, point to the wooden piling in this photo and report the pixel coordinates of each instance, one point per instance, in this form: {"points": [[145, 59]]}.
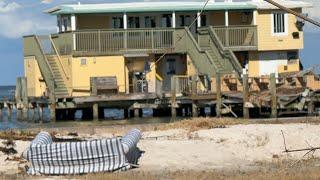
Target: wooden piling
{"points": [[311, 107], [136, 113], [273, 92], [219, 95], [40, 113], [173, 97], [245, 96], [95, 109], [52, 108], [195, 110], [194, 91]]}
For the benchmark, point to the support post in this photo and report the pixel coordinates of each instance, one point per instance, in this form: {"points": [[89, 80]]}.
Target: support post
{"points": [[194, 94], [194, 110], [311, 107], [95, 110], [218, 94], [273, 90], [245, 96], [173, 97], [226, 18], [136, 113], [52, 112], [19, 114], [40, 111], [173, 19], [198, 19], [25, 113]]}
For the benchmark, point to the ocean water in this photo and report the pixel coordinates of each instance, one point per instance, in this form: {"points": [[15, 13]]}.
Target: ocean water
{"points": [[111, 117], [7, 92]]}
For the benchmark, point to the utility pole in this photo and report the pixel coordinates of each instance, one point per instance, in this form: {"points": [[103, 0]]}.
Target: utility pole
{"points": [[293, 12]]}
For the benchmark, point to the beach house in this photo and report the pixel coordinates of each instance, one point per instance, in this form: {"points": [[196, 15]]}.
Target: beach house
{"points": [[137, 47]]}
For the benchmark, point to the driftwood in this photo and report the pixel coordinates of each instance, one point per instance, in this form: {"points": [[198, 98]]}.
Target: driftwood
{"points": [[310, 150]]}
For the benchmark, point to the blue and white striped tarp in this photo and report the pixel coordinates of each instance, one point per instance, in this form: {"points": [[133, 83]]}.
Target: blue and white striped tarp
{"points": [[105, 155]]}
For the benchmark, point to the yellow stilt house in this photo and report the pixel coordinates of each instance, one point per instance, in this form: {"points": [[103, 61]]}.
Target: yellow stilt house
{"points": [[126, 42]]}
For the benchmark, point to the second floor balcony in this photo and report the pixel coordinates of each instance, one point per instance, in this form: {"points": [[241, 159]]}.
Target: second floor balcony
{"points": [[149, 40]]}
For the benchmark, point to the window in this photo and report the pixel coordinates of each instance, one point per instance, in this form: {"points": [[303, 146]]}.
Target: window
{"points": [[171, 66], [117, 22], [150, 21], [166, 20], [134, 22], [279, 23], [185, 20]]}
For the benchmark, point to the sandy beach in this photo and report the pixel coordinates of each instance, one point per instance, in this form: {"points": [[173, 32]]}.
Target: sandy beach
{"points": [[225, 148]]}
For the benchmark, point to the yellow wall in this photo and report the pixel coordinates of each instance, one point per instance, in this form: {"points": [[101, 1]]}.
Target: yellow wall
{"points": [[253, 64], [268, 41], [93, 22], [97, 67], [291, 67], [35, 83]]}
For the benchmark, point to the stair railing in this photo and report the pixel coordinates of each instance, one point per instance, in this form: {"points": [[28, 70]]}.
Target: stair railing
{"points": [[198, 49], [59, 58], [233, 59], [44, 56]]}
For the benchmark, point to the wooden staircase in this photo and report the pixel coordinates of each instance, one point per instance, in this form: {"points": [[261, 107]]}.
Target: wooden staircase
{"points": [[60, 89], [51, 56]]}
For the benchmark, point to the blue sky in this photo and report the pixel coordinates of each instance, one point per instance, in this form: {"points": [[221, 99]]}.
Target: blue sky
{"points": [[24, 17]]}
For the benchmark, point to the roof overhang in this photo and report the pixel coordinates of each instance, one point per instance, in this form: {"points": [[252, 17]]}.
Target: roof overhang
{"points": [[147, 7], [286, 3]]}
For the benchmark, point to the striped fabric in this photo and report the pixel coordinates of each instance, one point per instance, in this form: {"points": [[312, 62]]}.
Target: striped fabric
{"points": [[105, 155]]}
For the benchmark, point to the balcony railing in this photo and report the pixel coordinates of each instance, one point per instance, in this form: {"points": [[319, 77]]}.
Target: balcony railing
{"points": [[238, 37], [109, 42], [123, 41]]}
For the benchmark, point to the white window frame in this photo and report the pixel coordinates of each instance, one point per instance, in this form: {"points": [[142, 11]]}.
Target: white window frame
{"points": [[286, 24]]}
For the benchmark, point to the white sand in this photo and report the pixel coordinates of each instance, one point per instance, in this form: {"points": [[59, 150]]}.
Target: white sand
{"points": [[232, 148]]}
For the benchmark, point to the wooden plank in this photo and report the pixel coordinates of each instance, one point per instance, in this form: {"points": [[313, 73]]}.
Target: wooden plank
{"points": [[117, 97]]}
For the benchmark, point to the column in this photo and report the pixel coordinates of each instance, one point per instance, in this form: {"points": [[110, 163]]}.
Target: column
{"points": [[226, 22], [125, 21], [73, 28], [255, 17], [226, 18], [173, 20], [199, 19]]}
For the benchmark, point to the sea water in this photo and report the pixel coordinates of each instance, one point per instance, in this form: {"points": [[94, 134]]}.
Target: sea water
{"points": [[111, 116]]}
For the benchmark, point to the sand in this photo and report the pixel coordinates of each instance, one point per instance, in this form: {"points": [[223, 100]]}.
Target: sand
{"points": [[237, 147]]}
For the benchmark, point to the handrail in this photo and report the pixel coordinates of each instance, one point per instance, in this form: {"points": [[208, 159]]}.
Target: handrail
{"points": [[45, 57], [199, 48], [59, 58], [233, 59]]}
